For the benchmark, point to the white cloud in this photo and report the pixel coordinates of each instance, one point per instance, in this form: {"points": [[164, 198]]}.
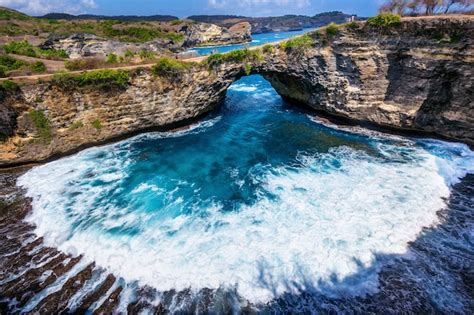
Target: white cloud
{"points": [[218, 4], [39, 7]]}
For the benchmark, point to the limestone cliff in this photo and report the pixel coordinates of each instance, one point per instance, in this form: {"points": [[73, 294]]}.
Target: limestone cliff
{"points": [[202, 34], [48, 119], [414, 76]]}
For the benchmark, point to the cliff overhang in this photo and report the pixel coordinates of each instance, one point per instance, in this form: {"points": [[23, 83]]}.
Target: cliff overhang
{"points": [[414, 76]]}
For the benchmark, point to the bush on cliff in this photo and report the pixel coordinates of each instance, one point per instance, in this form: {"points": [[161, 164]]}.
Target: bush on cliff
{"points": [[7, 87], [26, 49], [332, 30], [167, 66], [112, 58], [97, 124], [384, 20], [10, 63], [236, 56], [38, 67], [42, 124], [102, 79], [147, 55], [298, 43], [268, 49]]}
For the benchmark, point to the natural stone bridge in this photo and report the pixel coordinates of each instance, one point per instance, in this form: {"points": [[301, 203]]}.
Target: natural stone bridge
{"points": [[416, 76]]}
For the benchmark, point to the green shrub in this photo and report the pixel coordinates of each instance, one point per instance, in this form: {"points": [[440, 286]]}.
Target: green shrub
{"points": [[175, 37], [147, 55], [53, 53], [103, 79], [170, 66], [26, 49], [268, 49], [112, 58], [10, 63], [96, 124], [236, 56], [38, 67], [298, 43], [352, 25], [332, 30], [129, 54], [384, 20], [20, 48], [177, 22], [7, 14], [3, 72], [248, 69], [76, 125], [42, 124], [6, 87]]}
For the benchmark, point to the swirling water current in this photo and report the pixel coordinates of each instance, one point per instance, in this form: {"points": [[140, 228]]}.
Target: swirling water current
{"points": [[259, 198]]}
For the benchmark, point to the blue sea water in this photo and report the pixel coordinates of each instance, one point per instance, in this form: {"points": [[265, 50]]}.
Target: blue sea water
{"points": [[260, 198], [257, 40]]}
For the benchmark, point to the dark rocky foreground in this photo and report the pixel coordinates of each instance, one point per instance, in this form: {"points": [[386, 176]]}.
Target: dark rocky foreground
{"points": [[436, 277]]}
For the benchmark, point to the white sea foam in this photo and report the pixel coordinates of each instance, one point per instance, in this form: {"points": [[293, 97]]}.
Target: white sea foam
{"points": [[317, 227], [243, 87]]}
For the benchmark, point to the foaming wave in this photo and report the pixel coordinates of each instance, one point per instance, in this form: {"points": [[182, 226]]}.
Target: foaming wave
{"points": [[192, 129], [316, 226], [374, 134], [243, 87]]}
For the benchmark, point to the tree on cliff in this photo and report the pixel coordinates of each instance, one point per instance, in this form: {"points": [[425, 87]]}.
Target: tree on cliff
{"points": [[428, 7]]}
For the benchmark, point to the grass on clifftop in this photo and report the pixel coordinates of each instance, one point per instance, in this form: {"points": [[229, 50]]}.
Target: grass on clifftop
{"points": [[384, 20], [8, 64], [300, 42], [103, 79], [168, 65], [26, 49], [17, 23], [236, 56], [137, 34]]}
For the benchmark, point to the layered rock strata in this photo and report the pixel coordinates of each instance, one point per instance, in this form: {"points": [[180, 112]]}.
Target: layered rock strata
{"points": [[416, 76]]}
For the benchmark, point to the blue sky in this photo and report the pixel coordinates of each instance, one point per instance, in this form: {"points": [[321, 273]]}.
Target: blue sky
{"points": [[183, 8]]}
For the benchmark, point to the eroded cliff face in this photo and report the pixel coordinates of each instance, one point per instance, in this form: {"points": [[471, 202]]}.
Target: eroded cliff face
{"points": [[76, 117], [202, 34], [415, 76]]}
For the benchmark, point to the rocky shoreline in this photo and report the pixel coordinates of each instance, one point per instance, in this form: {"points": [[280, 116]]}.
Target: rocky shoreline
{"points": [[35, 278]]}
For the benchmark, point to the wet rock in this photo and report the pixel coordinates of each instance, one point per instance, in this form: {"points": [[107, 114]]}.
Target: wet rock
{"points": [[58, 300], [402, 77], [110, 303], [94, 296]]}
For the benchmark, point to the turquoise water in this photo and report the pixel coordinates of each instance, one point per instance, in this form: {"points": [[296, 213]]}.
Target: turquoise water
{"points": [[260, 198], [257, 40]]}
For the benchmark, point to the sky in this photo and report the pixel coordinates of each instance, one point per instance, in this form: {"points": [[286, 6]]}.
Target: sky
{"points": [[184, 8]]}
